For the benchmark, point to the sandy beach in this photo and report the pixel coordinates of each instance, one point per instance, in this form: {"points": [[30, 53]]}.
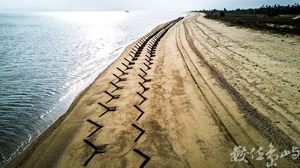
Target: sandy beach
{"points": [[184, 95]]}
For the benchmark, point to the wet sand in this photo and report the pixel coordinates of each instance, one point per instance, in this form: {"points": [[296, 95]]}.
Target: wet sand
{"points": [[183, 96]]}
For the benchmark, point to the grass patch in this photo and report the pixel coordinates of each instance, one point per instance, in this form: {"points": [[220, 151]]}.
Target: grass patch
{"points": [[281, 24]]}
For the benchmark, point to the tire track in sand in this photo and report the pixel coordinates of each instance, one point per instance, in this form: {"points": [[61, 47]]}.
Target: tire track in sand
{"points": [[226, 121]]}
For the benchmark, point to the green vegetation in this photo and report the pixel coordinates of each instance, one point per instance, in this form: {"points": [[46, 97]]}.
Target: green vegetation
{"points": [[276, 18]]}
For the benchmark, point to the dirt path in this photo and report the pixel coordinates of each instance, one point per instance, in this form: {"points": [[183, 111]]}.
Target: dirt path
{"points": [[185, 95]]}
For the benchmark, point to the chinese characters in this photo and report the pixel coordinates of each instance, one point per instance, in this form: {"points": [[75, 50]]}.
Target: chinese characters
{"points": [[240, 154]]}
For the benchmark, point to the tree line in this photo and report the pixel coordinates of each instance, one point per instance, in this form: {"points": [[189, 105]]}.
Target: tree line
{"points": [[264, 9]]}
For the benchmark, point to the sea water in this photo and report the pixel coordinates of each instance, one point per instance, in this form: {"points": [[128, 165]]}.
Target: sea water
{"points": [[46, 59]]}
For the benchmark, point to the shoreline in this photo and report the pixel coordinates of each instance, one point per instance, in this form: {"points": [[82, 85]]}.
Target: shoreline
{"points": [[191, 93], [46, 133], [40, 138], [69, 108]]}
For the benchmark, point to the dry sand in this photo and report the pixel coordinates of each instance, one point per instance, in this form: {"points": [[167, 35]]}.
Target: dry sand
{"points": [[212, 88]]}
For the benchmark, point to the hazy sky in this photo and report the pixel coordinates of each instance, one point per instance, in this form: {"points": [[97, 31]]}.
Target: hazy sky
{"points": [[141, 5]]}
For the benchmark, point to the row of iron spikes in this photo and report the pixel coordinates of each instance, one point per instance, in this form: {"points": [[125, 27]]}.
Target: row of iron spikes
{"points": [[142, 131], [115, 84], [125, 73], [127, 66], [136, 150], [146, 80], [117, 87], [101, 149], [145, 88], [145, 73], [142, 112]]}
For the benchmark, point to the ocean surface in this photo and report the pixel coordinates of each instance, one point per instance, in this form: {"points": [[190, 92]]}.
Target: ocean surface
{"points": [[46, 59]]}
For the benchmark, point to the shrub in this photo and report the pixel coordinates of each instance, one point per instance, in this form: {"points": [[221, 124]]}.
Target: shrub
{"points": [[222, 14]]}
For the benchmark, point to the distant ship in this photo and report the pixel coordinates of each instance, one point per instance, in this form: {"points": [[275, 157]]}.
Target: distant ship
{"points": [[126, 11]]}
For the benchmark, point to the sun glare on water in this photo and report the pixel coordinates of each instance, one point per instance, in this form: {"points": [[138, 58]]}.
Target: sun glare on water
{"points": [[98, 26]]}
